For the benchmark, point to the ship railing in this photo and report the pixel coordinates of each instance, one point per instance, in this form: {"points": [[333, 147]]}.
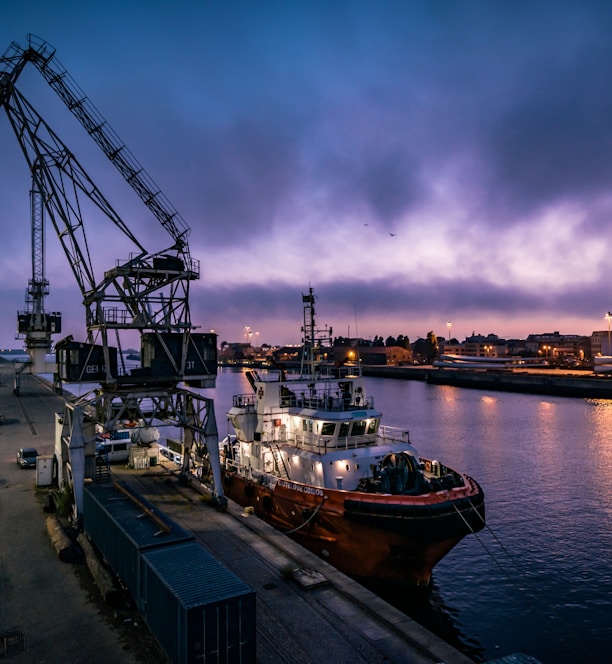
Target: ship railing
{"points": [[321, 445], [237, 467], [250, 473], [387, 434], [243, 400], [349, 371], [323, 400]]}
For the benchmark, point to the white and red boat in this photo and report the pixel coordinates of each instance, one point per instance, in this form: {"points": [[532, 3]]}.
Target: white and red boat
{"points": [[311, 457]]}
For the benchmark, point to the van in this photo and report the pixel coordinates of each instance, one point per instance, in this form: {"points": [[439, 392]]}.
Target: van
{"points": [[113, 451]]}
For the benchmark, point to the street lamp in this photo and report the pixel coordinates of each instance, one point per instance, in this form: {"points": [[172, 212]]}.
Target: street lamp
{"points": [[608, 317], [449, 325]]}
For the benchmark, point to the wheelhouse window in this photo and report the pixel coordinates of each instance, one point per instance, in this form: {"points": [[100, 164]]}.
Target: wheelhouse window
{"points": [[373, 426], [359, 428], [344, 429], [328, 428]]}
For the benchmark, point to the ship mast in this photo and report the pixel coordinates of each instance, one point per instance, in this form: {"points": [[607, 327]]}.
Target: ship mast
{"points": [[316, 344]]}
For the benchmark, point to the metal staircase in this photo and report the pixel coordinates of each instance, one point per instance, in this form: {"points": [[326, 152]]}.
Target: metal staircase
{"points": [[103, 471], [279, 462]]}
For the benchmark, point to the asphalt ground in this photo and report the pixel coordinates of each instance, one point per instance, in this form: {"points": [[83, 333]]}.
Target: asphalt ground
{"points": [[50, 611], [57, 610]]}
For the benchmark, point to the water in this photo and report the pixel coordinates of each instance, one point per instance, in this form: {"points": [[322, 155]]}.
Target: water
{"points": [[539, 578]]}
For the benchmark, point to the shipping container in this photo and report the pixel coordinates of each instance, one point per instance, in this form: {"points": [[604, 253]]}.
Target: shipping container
{"points": [[197, 609], [121, 528]]}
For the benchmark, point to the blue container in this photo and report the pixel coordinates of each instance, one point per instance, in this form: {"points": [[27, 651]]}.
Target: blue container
{"points": [[121, 528], [198, 610]]}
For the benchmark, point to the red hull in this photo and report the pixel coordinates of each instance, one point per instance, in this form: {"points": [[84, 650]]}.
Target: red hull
{"points": [[378, 539]]}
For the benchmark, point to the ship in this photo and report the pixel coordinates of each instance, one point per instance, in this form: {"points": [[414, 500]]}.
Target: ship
{"points": [[310, 456]]}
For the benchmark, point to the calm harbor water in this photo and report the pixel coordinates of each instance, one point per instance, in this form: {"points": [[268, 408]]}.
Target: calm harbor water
{"points": [[538, 579]]}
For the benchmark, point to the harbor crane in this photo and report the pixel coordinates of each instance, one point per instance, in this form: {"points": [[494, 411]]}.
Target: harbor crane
{"points": [[144, 294], [35, 324]]}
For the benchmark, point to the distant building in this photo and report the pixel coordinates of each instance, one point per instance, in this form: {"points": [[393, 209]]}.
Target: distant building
{"points": [[235, 352], [559, 346], [373, 355], [287, 355], [477, 346], [600, 343]]}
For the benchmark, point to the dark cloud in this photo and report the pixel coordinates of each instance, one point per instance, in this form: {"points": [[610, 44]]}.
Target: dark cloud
{"points": [[379, 184], [547, 140], [243, 175], [276, 309]]}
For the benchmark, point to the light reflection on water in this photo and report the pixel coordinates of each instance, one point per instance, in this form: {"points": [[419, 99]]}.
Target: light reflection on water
{"points": [[540, 579]]}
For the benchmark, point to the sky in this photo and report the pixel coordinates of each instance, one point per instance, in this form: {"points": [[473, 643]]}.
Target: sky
{"points": [[413, 162]]}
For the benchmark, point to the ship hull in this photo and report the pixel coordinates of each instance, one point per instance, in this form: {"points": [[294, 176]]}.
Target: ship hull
{"points": [[379, 540]]}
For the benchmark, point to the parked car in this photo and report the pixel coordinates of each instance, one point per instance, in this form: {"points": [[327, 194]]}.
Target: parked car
{"points": [[26, 457]]}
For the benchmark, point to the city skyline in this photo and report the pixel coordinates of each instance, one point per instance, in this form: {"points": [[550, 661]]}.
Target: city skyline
{"points": [[414, 163]]}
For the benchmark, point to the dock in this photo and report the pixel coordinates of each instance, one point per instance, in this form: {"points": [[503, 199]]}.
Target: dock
{"points": [[550, 382], [50, 611]]}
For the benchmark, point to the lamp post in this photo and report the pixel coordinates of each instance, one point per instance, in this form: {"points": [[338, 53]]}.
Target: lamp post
{"points": [[608, 317]]}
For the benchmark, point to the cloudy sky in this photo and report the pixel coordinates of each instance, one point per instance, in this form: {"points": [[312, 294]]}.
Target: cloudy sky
{"points": [[414, 162]]}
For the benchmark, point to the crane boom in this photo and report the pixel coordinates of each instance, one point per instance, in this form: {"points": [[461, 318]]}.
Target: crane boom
{"points": [[42, 55]]}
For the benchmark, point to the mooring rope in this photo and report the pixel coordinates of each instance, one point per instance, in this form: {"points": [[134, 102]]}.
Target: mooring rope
{"points": [[523, 591], [308, 520]]}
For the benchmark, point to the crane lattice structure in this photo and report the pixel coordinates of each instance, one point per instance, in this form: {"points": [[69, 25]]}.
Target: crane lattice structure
{"points": [[35, 324], [146, 293]]}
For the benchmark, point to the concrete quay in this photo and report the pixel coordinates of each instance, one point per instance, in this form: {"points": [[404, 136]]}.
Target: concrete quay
{"points": [[51, 612], [551, 382]]}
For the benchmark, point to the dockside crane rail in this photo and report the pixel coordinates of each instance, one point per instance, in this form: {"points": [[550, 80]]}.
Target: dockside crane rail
{"points": [[147, 293]]}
